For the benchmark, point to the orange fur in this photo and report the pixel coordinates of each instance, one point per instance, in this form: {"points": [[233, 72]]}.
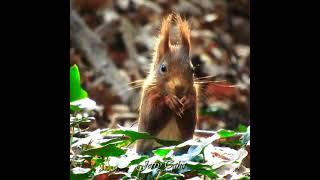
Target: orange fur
{"points": [[163, 41], [184, 32]]}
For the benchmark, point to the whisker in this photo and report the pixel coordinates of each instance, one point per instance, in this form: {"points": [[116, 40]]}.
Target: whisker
{"points": [[207, 77], [138, 85], [218, 81], [151, 88], [129, 89], [136, 81], [141, 84], [217, 84], [203, 94], [201, 88]]}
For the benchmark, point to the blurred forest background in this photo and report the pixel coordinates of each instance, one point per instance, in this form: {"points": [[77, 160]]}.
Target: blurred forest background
{"points": [[111, 41]]}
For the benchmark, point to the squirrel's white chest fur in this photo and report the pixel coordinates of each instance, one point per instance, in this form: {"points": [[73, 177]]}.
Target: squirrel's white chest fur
{"points": [[169, 132]]}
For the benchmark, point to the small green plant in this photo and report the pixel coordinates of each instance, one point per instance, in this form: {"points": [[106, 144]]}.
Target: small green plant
{"points": [[76, 92]]}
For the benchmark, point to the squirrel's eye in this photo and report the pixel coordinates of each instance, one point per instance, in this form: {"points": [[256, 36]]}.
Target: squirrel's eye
{"points": [[163, 68]]}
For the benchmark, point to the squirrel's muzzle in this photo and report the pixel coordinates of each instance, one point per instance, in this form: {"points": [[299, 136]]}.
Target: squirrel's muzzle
{"points": [[176, 87]]}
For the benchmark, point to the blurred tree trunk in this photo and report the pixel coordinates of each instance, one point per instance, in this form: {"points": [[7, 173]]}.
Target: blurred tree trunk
{"points": [[95, 52]]}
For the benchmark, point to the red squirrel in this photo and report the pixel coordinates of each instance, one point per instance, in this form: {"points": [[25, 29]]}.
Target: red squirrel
{"points": [[168, 107]]}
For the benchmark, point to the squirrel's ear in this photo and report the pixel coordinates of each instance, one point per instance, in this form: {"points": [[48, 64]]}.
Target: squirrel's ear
{"points": [[163, 39], [184, 33]]}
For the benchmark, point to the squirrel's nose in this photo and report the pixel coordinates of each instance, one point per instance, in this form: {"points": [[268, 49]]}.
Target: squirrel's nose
{"points": [[176, 86], [179, 88], [179, 91]]}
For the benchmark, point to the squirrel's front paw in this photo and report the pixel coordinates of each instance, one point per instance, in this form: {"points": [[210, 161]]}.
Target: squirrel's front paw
{"points": [[188, 102], [173, 102]]}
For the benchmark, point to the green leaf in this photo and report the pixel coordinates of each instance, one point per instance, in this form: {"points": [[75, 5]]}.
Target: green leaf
{"points": [[162, 151], [170, 176], [98, 161], [167, 142], [233, 143], [139, 160], [245, 178], [118, 142], [84, 103], [190, 142], [245, 138], [195, 150], [133, 135], [226, 133], [241, 128], [76, 92], [105, 151], [203, 170], [74, 108], [209, 173], [79, 173], [112, 141]]}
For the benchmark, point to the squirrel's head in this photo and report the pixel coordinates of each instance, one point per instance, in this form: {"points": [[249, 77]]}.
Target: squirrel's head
{"points": [[172, 68]]}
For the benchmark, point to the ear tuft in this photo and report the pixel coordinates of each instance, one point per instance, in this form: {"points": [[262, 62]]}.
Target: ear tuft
{"points": [[184, 33], [163, 39]]}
